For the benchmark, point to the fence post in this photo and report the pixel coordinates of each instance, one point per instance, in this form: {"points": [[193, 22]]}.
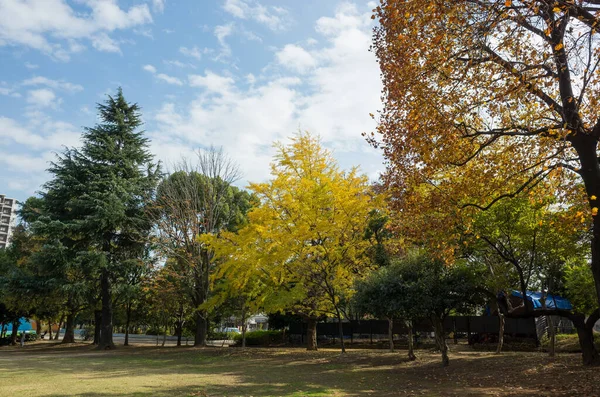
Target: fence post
{"points": [[468, 328], [454, 330]]}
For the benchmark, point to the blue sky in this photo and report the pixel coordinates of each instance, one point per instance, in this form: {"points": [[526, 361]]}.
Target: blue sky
{"points": [[233, 73]]}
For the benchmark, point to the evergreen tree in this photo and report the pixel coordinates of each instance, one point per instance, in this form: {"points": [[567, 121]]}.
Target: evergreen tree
{"points": [[98, 196]]}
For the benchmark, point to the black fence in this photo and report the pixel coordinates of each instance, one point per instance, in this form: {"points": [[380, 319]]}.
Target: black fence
{"points": [[460, 326]]}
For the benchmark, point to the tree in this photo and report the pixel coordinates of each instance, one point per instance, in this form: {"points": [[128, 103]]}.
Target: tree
{"points": [[167, 298], [535, 238], [383, 294], [191, 202], [305, 240], [438, 288], [503, 93], [98, 197]]}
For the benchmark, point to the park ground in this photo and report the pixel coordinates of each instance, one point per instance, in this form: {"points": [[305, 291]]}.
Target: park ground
{"points": [[45, 369]]}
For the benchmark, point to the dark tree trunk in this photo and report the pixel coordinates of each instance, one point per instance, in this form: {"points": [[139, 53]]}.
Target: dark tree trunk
{"points": [[311, 334], [411, 350], [69, 336], [441, 340], [97, 324], [38, 327], [502, 321], [50, 329], [201, 329], [60, 325], [391, 333], [15, 329], [106, 331], [585, 332], [127, 321]]}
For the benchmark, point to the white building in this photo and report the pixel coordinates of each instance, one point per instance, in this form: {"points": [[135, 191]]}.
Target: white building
{"points": [[8, 219]]}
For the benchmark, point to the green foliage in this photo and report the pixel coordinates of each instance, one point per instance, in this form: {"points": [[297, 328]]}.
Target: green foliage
{"points": [[260, 338], [580, 288]]}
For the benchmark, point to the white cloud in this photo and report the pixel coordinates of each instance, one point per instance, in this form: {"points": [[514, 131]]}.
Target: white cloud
{"points": [[149, 68], [329, 90], [42, 98], [275, 18], [55, 84], [161, 76], [222, 32], [212, 82], [179, 64], [49, 134], [169, 79], [295, 58], [55, 28], [103, 42], [30, 65], [158, 6], [6, 90], [191, 52]]}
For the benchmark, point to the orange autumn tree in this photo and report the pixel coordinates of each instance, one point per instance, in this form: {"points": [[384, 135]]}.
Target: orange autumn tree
{"points": [[483, 100]]}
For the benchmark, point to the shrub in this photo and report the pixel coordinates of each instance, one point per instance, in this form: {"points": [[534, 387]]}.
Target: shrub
{"points": [[260, 338]]}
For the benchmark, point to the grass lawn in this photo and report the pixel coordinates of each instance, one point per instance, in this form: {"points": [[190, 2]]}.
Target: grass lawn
{"points": [[79, 370]]}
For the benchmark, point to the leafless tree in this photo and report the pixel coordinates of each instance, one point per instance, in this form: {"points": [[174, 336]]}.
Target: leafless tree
{"points": [[195, 199]]}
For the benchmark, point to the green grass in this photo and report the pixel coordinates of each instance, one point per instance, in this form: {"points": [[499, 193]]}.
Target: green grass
{"points": [[52, 370]]}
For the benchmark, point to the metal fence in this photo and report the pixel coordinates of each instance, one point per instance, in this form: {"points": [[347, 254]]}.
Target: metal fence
{"points": [[459, 326]]}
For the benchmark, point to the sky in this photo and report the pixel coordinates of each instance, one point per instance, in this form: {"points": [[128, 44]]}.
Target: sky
{"points": [[236, 74]]}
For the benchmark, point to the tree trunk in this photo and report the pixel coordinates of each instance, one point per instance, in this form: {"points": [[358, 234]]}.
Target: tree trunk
{"points": [[552, 334], [311, 334], [15, 329], [341, 329], [411, 350], [38, 327], [502, 321], [588, 350], [60, 325], [69, 336], [50, 329], [179, 331], [243, 327], [106, 331], [441, 340], [97, 324], [127, 321], [201, 328], [585, 332], [391, 333]]}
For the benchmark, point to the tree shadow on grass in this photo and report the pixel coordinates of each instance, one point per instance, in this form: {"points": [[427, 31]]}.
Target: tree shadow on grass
{"points": [[264, 372]]}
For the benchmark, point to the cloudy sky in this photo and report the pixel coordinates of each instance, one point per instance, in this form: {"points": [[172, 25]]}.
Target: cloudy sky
{"points": [[233, 73]]}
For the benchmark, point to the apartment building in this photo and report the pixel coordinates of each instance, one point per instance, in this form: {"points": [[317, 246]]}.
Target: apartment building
{"points": [[8, 218]]}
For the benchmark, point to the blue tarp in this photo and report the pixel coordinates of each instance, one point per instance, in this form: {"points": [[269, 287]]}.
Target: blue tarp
{"points": [[552, 301], [24, 326]]}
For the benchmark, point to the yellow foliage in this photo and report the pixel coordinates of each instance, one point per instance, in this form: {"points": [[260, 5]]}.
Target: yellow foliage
{"points": [[304, 244]]}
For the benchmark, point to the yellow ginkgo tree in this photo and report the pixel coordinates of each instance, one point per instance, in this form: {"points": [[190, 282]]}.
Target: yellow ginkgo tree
{"points": [[304, 245]]}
